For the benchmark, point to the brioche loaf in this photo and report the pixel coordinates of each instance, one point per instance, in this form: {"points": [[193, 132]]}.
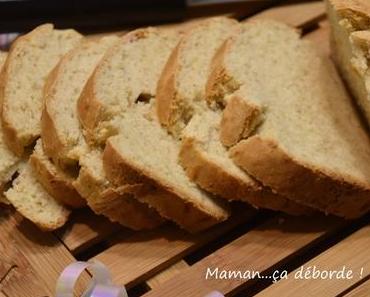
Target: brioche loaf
{"points": [[310, 146], [31, 58], [30, 199], [350, 40]]}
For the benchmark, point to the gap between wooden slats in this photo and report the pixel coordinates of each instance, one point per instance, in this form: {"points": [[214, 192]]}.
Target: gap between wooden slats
{"points": [[135, 259], [353, 252], [362, 290]]}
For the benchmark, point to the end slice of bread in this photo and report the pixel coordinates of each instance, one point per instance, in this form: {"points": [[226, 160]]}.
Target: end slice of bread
{"points": [[350, 43], [57, 183], [118, 204], [61, 131], [31, 58], [304, 149], [30, 199]]}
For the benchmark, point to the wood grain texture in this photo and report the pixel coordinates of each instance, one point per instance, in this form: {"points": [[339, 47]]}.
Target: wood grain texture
{"points": [[33, 259], [86, 229], [260, 249], [362, 290], [137, 258], [176, 269], [353, 252]]}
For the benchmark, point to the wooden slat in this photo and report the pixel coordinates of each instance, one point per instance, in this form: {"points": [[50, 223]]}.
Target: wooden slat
{"points": [[167, 274], [36, 259], [85, 229], [353, 252], [258, 250], [137, 258], [361, 291], [300, 15]]}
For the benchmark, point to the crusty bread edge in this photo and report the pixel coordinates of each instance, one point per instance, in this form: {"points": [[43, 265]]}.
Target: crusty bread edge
{"points": [[121, 171], [113, 201], [56, 185], [216, 180], [275, 168]]}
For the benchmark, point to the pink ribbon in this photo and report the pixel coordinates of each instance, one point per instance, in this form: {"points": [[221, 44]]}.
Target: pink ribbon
{"points": [[100, 286]]}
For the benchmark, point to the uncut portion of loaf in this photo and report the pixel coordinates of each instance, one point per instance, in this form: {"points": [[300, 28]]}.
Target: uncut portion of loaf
{"points": [[145, 151], [181, 88], [8, 160], [305, 149], [57, 183], [61, 131], [350, 41], [30, 199], [128, 73], [207, 162], [118, 204], [31, 58]]}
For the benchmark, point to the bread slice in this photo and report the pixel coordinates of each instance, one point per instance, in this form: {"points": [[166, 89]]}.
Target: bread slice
{"points": [[57, 183], [144, 151], [350, 40], [305, 149], [128, 73], [30, 199], [31, 58], [207, 162], [181, 88], [61, 131], [8, 160], [118, 204], [181, 104]]}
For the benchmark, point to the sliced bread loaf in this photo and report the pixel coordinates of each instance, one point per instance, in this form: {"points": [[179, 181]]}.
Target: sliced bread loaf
{"points": [[118, 204], [144, 151], [128, 73], [30, 199], [305, 149], [57, 183], [61, 132], [31, 58], [351, 46]]}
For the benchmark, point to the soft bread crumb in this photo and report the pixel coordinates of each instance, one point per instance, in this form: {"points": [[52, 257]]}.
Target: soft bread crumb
{"points": [[34, 203]]}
